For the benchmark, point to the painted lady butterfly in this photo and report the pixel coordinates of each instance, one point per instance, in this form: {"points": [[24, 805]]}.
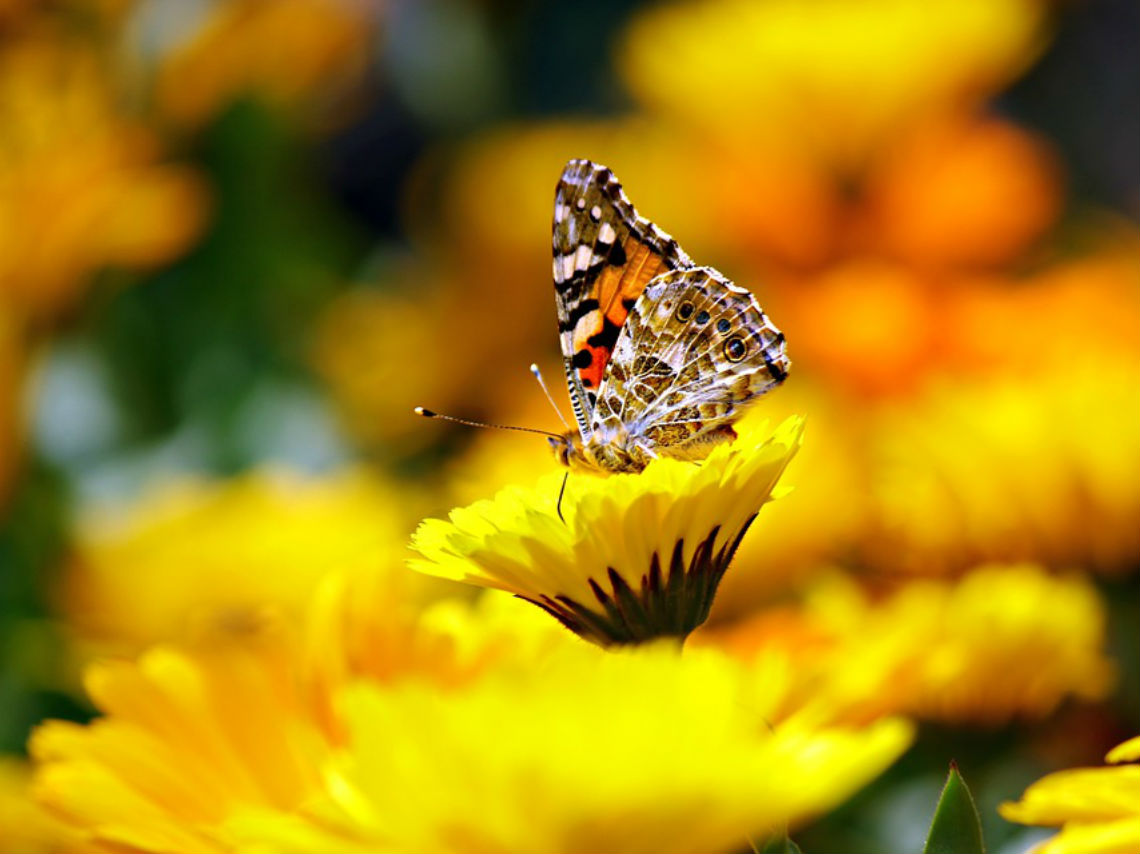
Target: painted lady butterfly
{"points": [[661, 356]]}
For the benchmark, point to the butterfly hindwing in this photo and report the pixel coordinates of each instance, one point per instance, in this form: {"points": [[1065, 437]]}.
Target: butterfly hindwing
{"points": [[694, 350], [604, 256]]}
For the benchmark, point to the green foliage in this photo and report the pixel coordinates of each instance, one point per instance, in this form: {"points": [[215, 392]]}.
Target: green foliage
{"points": [[32, 540], [956, 827], [191, 342], [778, 844]]}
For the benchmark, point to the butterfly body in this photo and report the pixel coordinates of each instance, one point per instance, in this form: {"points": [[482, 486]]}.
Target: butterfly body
{"points": [[661, 355]]}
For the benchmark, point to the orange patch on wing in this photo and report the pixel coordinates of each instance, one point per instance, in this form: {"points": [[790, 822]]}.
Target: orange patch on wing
{"points": [[592, 375], [618, 285], [617, 288]]}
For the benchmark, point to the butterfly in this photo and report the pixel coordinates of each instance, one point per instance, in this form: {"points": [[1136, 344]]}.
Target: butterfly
{"points": [[661, 355]]}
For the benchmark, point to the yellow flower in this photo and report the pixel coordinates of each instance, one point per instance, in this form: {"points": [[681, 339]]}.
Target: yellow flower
{"points": [[188, 739], [25, 826], [1023, 467], [1098, 809], [364, 336], [280, 50], [570, 753], [968, 651], [637, 557], [195, 559], [362, 626], [824, 76], [793, 540], [68, 210], [703, 777]]}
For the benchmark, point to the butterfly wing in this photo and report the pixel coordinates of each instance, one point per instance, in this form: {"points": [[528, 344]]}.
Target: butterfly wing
{"points": [[604, 256], [694, 351]]}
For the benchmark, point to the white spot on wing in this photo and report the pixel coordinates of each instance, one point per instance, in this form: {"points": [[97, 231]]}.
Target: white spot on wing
{"points": [[584, 256], [606, 233]]}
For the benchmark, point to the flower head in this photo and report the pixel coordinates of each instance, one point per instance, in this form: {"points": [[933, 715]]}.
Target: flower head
{"points": [[824, 76], [1098, 809], [282, 51], [959, 652], [638, 556], [643, 750], [198, 559], [25, 826], [68, 210]]}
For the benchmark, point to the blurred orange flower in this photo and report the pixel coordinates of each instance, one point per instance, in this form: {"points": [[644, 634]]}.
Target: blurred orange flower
{"points": [[280, 50], [961, 192], [69, 209]]}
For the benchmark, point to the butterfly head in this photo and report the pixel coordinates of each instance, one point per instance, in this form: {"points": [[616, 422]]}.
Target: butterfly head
{"points": [[567, 448]]}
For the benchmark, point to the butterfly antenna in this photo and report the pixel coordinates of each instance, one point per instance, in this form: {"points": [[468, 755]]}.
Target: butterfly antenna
{"points": [[427, 413], [542, 384]]}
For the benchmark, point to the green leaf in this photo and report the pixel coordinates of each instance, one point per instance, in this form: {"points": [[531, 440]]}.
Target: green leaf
{"points": [[956, 827]]}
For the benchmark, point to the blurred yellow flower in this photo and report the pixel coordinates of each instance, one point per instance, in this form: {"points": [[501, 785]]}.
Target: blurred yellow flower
{"points": [[68, 210], [194, 559], [279, 50], [362, 346], [1098, 809], [637, 557], [217, 753], [25, 826], [1037, 467], [834, 78], [188, 739], [362, 626], [793, 540], [703, 777], [962, 652]]}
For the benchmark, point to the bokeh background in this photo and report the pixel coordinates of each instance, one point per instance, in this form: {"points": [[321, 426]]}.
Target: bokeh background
{"points": [[240, 240]]}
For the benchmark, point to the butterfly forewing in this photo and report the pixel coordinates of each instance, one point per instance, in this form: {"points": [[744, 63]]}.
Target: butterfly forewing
{"points": [[604, 256]]}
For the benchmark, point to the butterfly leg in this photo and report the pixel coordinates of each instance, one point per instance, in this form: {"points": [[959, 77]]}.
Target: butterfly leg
{"points": [[561, 492]]}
